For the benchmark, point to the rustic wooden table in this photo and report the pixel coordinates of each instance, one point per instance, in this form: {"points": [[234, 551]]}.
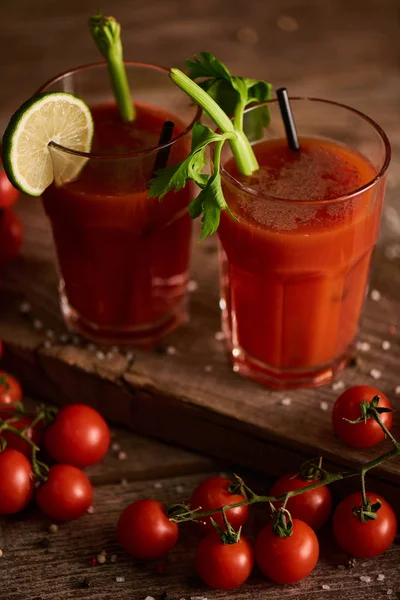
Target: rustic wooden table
{"points": [[347, 51]]}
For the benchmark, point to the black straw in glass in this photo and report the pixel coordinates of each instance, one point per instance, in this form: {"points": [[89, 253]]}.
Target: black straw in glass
{"points": [[287, 117], [163, 154]]}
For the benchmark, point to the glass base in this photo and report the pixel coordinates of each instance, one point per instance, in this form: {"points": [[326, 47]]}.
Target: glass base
{"points": [[285, 379], [146, 335]]}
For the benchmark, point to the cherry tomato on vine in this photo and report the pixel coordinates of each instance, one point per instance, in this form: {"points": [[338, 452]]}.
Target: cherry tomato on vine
{"points": [[16, 481], [145, 531], [224, 566], [8, 193], [213, 493], [10, 236], [347, 406], [79, 436], [67, 493], [287, 559], [313, 507], [364, 539], [10, 392], [34, 434]]}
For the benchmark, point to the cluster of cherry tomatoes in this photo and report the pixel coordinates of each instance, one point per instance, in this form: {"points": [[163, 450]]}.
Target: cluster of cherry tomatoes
{"points": [[10, 224], [287, 549], [75, 437]]}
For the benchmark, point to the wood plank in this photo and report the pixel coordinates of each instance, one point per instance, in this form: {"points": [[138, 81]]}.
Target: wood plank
{"points": [[58, 563]]}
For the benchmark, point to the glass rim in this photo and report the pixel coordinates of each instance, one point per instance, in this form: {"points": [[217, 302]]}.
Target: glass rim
{"points": [[137, 153], [341, 198]]}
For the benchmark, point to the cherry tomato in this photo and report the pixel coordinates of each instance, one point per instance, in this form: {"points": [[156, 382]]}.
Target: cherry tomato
{"points": [[67, 493], [16, 481], [10, 392], [8, 193], [79, 436], [213, 493], [287, 559], [145, 531], [34, 434], [347, 406], [10, 236], [224, 566], [313, 507], [364, 539]]}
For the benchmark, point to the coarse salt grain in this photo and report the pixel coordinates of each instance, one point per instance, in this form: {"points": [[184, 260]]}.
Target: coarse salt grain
{"points": [[338, 385], [236, 368], [287, 23], [1, 553], [50, 334], [179, 489], [389, 592], [124, 482], [326, 587], [64, 338], [219, 336], [397, 390], [286, 401], [171, 350], [222, 304], [198, 598], [122, 455], [375, 373], [192, 285], [92, 347], [37, 324], [129, 356], [365, 578], [120, 579], [208, 368], [100, 355], [158, 485], [363, 346], [25, 308], [376, 295], [380, 577], [113, 558], [115, 446], [90, 510], [324, 405], [149, 598], [48, 344]]}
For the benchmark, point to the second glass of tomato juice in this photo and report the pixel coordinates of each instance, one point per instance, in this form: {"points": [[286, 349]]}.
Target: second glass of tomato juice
{"points": [[295, 266], [123, 257]]}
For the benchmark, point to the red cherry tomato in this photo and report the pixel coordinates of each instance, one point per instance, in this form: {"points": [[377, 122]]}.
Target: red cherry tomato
{"points": [[79, 436], [10, 236], [8, 193], [145, 531], [16, 482], [364, 539], [287, 559], [34, 434], [10, 392], [313, 507], [224, 566], [347, 406], [66, 495], [213, 493]]}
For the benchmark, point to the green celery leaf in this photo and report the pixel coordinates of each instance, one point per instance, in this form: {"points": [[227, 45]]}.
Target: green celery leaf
{"points": [[210, 202], [207, 66]]}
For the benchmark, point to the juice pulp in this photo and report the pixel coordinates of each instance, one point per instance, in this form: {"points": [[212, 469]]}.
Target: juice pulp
{"points": [[295, 270], [123, 256]]}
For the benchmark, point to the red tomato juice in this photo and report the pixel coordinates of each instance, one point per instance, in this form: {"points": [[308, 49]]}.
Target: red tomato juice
{"points": [[123, 256], [295, 266]]}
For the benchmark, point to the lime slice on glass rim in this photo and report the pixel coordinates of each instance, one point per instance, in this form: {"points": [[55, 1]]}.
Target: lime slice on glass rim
{"points": [[56, 117]]}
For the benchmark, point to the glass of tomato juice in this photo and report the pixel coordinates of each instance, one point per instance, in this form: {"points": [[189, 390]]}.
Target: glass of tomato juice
{"points": [[123, 257], [294, 266]]}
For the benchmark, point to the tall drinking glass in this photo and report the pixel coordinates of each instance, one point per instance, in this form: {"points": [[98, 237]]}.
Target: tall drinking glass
{"points": [[123, 257], [295, 266]]}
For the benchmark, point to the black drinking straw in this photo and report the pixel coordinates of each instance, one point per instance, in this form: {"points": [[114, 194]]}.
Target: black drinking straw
{"points": [[163, 154], [287, 117]]}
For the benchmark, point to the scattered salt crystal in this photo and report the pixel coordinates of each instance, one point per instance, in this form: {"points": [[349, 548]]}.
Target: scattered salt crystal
{"points": [[338, 385], [386, 345], [380, 577], [120, 579], [363, 346], [37, 324], [25, 308], [198, 598], [122, 455], [287, 23], [124, 482], [48, 344], [236, 368], [326, 587], [397, 390], [91, 347], [149, 598], [158, 485], [192, 285], [179, 489], [129, 356], [376, 295], [50, 334], [64, 338], [90, 510], [324, 405], [115, 446], [100, 355], [247, 35], [222, 304], [1, 552], [365, 578], [208, 368], [375, 373], [389, 592], [286, 401], [101, 558], [236, 352], [113, 558], [171, 350], [219, 336]]}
